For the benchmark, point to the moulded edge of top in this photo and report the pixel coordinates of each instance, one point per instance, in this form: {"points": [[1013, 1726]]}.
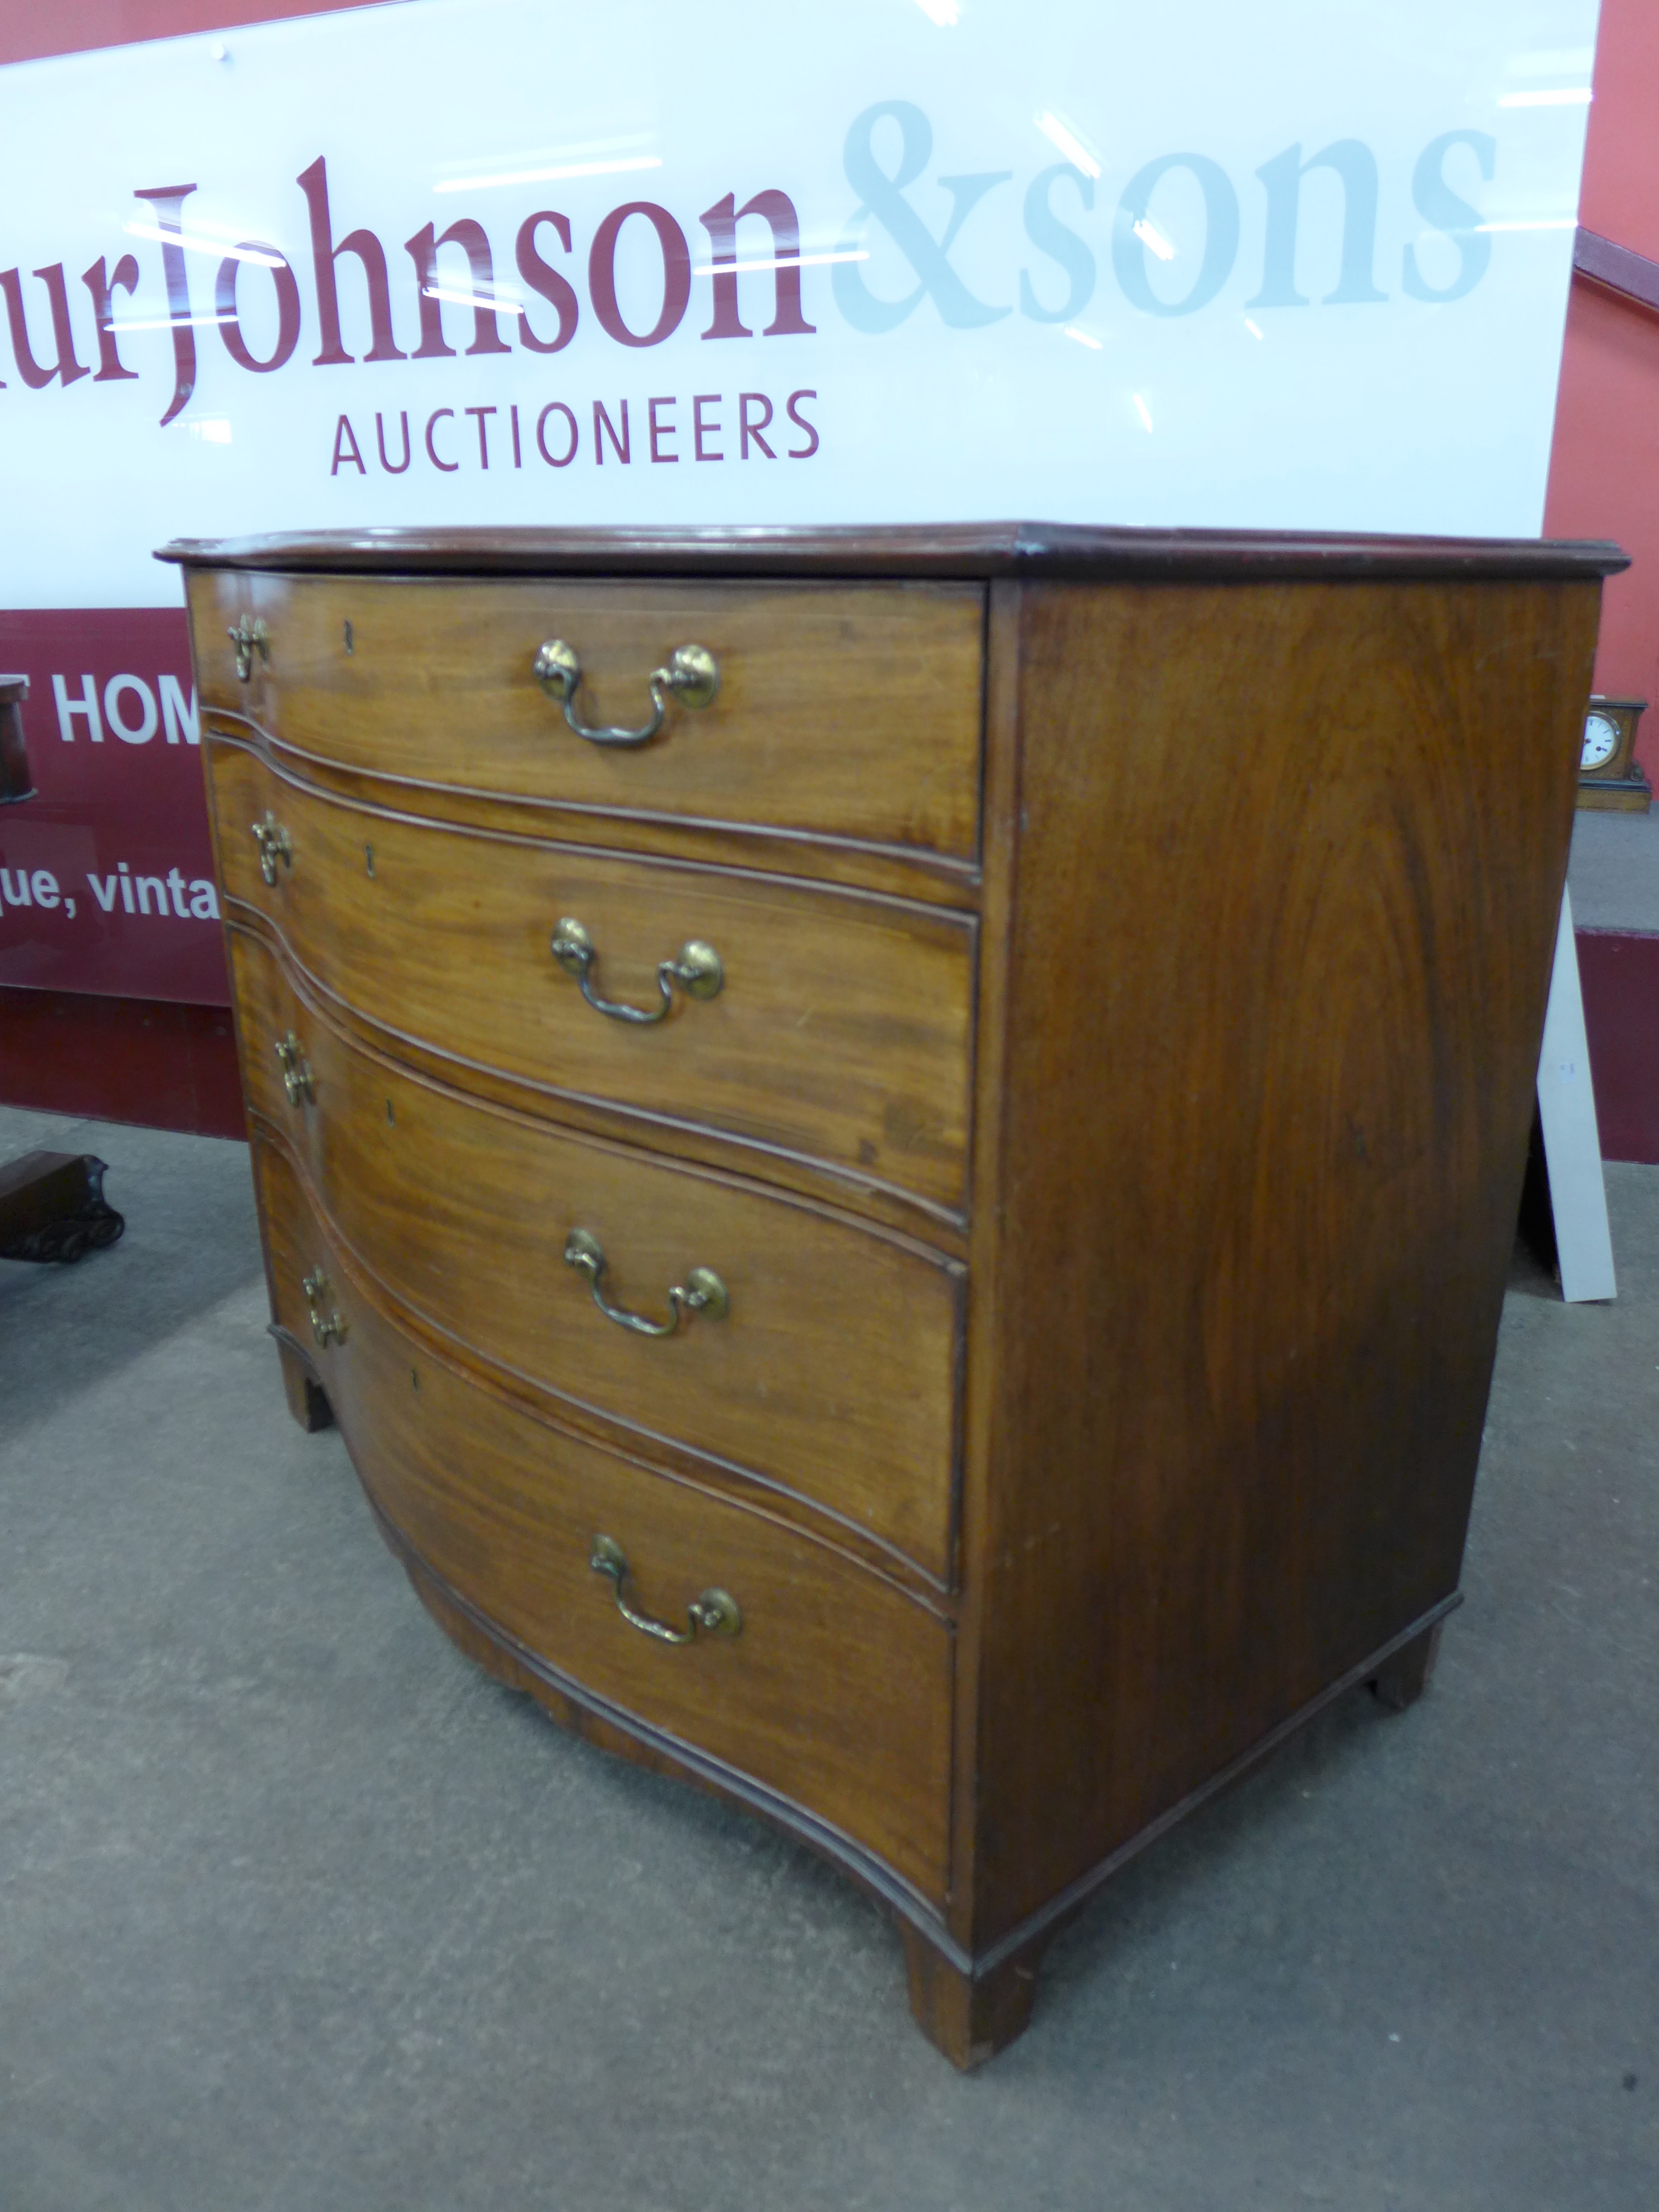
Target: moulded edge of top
{"points": [[1033, 550]]}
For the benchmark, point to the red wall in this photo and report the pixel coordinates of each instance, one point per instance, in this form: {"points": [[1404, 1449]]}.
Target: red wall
{"points": [[1604, 483], [1604, 471], [1620, 196]]}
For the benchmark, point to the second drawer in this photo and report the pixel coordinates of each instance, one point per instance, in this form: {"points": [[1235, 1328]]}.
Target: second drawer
{"points": [[839, 1030], [833, 1373]]}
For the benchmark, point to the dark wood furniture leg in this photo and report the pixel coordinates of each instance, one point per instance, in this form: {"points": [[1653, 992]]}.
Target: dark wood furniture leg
{"points": [[1401, 1680], [52, 1207], [968, 2017], [306, 1399]]}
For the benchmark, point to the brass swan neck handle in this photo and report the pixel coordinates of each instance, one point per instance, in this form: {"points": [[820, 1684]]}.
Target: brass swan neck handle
{"points": [[697, 971], [692, 675], [713, 1612], [297, 1080], [703, 1291], [328, 1324], [274, 843], [250, 636]]}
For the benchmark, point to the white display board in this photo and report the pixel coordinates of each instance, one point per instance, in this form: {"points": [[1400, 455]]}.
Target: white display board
{"points": [[1297, 264], [1573, 1144]]}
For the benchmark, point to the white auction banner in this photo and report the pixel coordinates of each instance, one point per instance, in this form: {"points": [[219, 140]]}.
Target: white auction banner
{"points": [[1302, 263]]}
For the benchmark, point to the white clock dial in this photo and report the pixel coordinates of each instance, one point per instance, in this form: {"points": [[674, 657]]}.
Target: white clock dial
{"points": [[1601, 741]]}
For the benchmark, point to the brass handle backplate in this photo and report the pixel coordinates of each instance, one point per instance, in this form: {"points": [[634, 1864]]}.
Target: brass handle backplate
{"points": [[274, 844], [328, 1327], [703, 1290], [713, 1612], [692, 677], [297, 1078], [697, 971], [249, 638]]}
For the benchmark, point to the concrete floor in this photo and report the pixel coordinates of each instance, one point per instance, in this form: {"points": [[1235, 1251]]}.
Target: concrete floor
{"points": [[1613, 872], [301, 1913]]}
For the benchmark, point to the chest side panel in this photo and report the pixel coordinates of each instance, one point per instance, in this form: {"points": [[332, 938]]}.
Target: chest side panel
{"points": [[1290, 863]]}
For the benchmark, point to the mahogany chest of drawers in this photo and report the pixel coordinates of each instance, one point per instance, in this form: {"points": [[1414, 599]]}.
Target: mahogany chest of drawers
{"points": [[896, 1150]]}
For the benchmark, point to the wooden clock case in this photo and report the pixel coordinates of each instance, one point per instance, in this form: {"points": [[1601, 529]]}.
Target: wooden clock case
{"points": [[1617, 784]]}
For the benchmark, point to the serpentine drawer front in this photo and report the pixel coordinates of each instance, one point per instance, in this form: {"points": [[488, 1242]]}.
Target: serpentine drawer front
{"points": [[897, 1150], [839, 1028], [849, 710], [832, 1373], [833, 1678]]}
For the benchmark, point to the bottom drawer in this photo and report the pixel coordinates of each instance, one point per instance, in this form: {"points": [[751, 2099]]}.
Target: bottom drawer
{"points": [[835, 1689]]}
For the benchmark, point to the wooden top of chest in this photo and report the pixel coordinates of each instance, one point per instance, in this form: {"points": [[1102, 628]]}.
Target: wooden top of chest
{"points": [[1034, 551]]}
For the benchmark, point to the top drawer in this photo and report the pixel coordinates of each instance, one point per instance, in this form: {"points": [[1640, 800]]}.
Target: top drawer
{"points": [[844, 710]]}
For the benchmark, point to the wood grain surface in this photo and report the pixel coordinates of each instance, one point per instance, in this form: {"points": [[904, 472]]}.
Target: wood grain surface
{"points": [[836, 1691], [1213, 1059], [852, 710], [834, 1375], [843, 1031], [1270, 1042]]}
